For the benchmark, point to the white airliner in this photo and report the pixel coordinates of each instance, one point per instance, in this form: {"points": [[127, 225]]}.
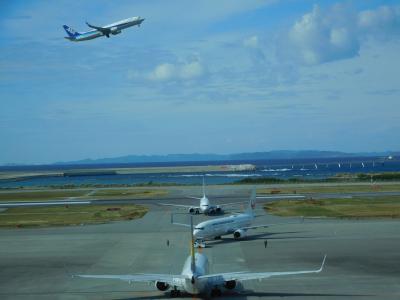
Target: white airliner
{"points": [[114, 28], [237, 224], [205, 207], [194, 278]]}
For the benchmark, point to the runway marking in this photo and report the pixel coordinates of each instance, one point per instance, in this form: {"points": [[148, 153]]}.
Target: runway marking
{"points": [[46, 213], [16, 204], [282, 197]]}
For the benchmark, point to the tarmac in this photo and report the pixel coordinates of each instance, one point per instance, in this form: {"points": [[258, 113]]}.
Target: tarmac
{"points": [[363, 258]]}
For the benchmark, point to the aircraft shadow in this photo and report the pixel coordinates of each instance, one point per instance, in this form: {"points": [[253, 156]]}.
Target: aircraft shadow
{"points": [[260, 236], [245, 294], [249, 293]]}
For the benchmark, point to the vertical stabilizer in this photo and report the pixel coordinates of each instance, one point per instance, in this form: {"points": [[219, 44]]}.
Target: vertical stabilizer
{"points": [[252, 203], [71, 33], [204, 187], [193, 265]]}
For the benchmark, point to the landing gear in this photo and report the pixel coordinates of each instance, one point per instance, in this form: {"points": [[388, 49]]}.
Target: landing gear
{"points": [[216, 292], [217, 238], [199, 244], [175, 292]]}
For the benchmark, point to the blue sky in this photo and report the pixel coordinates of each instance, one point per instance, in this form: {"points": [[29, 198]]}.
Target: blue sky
{"points": [[198, 77]]}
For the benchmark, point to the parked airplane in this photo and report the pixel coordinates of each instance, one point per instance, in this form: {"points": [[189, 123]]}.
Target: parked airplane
{"points": [[205, 207], [114, 28], [194, 278], [237, 225]]}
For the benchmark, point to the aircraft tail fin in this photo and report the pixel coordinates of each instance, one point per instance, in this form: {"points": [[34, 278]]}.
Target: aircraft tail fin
{"points": [[252, 203], [192, 253], [204, 187], [71, 33]]}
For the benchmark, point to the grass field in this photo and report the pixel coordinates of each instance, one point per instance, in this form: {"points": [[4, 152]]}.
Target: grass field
{"points": [[45, 194], [69, 215], [376, 207], [331, 188], [40, 195], [128, 193]]}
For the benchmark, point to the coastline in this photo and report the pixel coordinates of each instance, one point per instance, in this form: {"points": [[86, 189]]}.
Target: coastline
{"points": [[24, 175]]}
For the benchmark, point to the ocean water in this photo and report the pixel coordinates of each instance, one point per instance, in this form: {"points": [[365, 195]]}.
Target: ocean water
{"points": [[284, 169]]}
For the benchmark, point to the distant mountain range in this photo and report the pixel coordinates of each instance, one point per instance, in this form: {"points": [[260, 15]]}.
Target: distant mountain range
{"points": [[195, 157]]}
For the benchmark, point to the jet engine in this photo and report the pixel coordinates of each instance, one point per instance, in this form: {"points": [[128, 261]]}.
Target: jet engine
{"points": [[162, 286], [240, 233], [191, 210], [218, 209], [115, 30], [194, 210], [230, 284]]}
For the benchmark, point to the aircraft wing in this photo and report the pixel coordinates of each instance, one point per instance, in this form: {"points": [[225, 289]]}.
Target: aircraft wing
{"points": [[180, 224], [264, 226], [232, 203], [269, 225], [190, 197], [179, 205], [104, 30], [167, 278], [243, 276], [282, 196], [257, 226]]}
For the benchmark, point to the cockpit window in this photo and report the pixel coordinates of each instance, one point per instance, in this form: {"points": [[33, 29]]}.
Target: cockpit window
{"points": [[199, 228]]}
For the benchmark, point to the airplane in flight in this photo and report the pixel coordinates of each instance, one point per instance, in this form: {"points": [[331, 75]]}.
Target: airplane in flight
{"points": [[98, 31], [237, 224], [205, 206], [195, 279]]}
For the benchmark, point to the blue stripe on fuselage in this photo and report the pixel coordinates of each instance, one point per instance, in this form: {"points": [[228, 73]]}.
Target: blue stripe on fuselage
{"points": [[88, 35]]}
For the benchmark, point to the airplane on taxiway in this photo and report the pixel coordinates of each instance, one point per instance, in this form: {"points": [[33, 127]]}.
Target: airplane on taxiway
{"points": [[114, 28], [195, 279], [237, 224], [205, 206]]}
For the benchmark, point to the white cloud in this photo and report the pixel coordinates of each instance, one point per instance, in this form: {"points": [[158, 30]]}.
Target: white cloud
{"points": [[186, 71], [163, 72], [191, 70], [337, 33], [251, 42], [384, 16], [318, 38]]}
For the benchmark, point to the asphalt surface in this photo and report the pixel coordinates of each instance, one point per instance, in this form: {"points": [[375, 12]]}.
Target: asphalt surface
{"points": [[362, 263], [179, 199]]}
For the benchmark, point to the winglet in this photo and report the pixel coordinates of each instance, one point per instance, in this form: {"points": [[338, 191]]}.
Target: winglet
{"points": [[322, 265]]}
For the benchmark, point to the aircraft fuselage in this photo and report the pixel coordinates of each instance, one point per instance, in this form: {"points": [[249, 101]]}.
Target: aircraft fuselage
{"points": [[221, 226], [107, 30]]}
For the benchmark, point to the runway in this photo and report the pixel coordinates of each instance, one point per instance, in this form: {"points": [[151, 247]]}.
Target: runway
{"points": [[362, 260], [179, 199]]}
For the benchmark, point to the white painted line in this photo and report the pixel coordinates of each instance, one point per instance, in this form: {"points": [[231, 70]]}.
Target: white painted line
{"points": [[281, 197], [16, 204]]}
